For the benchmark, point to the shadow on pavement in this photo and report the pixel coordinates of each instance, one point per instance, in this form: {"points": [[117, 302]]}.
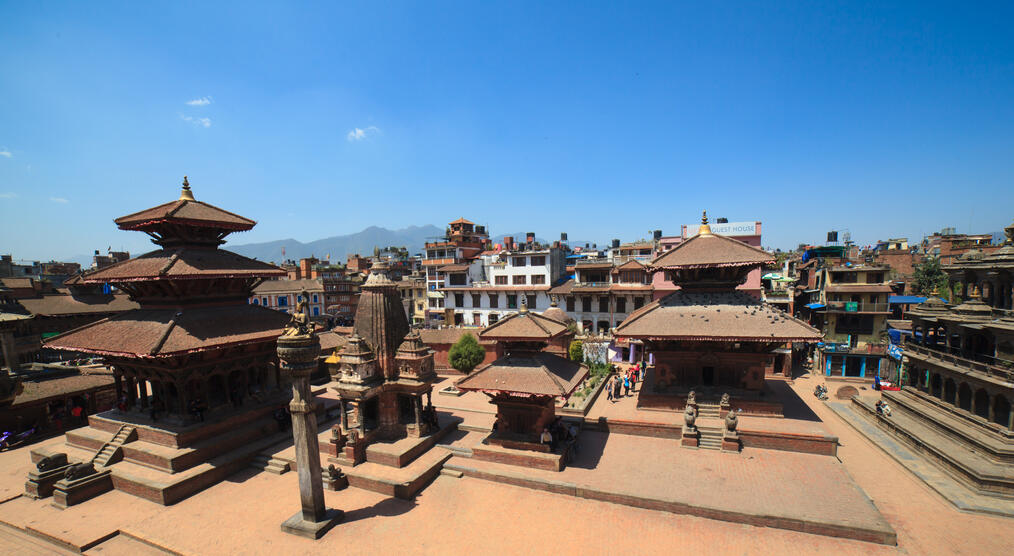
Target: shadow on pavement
{"points": [[386, 507], [792, 405]]}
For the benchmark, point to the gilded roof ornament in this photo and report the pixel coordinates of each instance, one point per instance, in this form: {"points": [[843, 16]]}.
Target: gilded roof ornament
{"points": [[705, 229], [186, 194]]}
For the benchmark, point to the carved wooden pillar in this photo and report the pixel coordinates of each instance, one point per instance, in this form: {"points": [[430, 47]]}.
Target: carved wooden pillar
{"points": [[118, 380], [131, 392], [142, 386], [206, 391], [181, 399]]}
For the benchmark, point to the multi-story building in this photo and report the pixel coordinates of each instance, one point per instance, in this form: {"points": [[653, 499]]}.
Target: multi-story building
{"points": [[498, 282], [284, 295], [950, 246], [413, 295], [461, 244], [853, 307], [901, 258], [602, 293]]}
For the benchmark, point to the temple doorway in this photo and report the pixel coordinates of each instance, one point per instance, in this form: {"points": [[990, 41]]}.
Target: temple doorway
{"points": [[406, 411], [853, 366], [371, 414], [708, 376]]}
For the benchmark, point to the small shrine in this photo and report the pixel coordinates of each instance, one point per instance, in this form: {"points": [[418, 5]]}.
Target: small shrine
{"points": [[525, 384], [707, 337], [383, 374]]}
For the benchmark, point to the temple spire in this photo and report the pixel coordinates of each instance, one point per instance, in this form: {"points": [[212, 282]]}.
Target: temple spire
{"points": [[705, 229], [186, 194]]}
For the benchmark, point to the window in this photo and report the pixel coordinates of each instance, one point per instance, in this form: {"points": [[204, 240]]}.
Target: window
{"points": [[283, 300], [539, 260], [638, 302], [512, 302], [621, 304], [519, 279], [315, 298], [256, 301], [494, 300], [459, 300], [419, 306], [476, 300], [493, 318], [538, 278], [570, 304], [458, 279], [586, 304], [518, 261], [604, 304], [264, 301], [316, 311], [500, 280]]}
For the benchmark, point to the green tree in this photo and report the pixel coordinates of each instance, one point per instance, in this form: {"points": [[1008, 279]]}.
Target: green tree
{"points": [[929, 277], [466, 354], [576, 351]]}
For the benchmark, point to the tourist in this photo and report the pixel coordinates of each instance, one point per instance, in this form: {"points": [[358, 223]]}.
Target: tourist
{"points": [[633, 381], [641, 370], [618, 384], [609, 390], [626, 385], [546, 439], [197, 409]]}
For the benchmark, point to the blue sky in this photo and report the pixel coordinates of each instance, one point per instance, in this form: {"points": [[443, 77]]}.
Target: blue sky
{"points": [[599, 119]]}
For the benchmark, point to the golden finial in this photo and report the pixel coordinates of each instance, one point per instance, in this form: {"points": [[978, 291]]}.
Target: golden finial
{"points": [[524, 307], [186, 194], [705, 229]]}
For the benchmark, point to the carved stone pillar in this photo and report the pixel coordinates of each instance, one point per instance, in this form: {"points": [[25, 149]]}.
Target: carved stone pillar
{"points": [[298, 356], [344, 416]]}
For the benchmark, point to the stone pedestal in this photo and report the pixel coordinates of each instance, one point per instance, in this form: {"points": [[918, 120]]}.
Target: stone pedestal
{"points": [[730, 443], [40, 484], [335, 444], [67, 493], [691, 437], [297, 354]]}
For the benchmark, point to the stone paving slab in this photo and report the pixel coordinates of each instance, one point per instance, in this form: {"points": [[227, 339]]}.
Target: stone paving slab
{"points": [[948, 487], [800, 492]]}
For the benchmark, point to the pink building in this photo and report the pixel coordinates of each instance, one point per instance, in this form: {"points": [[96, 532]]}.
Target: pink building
{"points": [[747, 232]]}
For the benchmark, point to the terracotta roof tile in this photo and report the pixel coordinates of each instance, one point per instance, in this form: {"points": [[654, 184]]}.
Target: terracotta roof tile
{"points": [[538, 373], [711, 250], [163, 332], [194, 213], [268, 286], [65, 304], [38, 391], [182, 263], [524, 326], [732, 316]]}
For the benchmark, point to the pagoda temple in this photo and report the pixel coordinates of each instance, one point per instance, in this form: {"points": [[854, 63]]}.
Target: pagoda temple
{"points": [[707, 337], [524, 384], [383, 372], [195, 366]]}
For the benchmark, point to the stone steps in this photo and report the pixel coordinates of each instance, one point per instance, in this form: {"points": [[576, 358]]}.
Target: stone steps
{"points": [[270, 464]]}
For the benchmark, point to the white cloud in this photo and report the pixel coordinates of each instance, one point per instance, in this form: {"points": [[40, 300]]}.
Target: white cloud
{"points": [[203, 101], [8, 195], [199, 122], [5, 153], [358, 134], [60, 200]]}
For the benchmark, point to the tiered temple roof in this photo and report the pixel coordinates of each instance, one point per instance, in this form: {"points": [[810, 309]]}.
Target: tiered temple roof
{"points": [[524, 326], [192, 294]]}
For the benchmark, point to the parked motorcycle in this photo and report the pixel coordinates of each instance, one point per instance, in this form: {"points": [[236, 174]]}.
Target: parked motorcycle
{"points": [[10, 440], [820, 392]]}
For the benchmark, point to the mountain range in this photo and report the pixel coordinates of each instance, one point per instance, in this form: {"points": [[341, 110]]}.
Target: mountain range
{"points": [[412, 237]]}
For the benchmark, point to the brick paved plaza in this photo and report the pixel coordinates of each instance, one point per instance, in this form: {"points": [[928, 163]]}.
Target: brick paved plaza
{"points": [[456, 515]]}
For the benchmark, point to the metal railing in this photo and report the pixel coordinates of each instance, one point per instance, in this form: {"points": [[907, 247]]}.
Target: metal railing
{"points": [[856, 307], [989, 369]]}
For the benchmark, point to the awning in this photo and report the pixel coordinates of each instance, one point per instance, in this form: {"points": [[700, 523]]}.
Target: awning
{"points": [[815, 305], [435, 295], [905, 299], [771, 276]]}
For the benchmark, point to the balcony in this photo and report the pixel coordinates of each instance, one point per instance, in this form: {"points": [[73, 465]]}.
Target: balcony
{"points": [[991, 366], [856, 307], [868, 349]]}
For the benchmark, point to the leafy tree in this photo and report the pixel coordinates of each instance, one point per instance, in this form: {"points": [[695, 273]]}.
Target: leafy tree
{"points": [[466, 354], [576, 351], [929, 277]]}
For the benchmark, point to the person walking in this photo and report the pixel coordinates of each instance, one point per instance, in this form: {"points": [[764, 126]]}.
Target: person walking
{"points": [[609, 390], [626, 385], [633, 381]]}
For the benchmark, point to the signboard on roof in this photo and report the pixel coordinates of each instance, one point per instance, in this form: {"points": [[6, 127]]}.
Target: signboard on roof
{"points": [[728, 229]]}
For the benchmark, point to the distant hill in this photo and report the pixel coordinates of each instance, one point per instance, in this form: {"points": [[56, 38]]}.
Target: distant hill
{"points": [[412, 237]]}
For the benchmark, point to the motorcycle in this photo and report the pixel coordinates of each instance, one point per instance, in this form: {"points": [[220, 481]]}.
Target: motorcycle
{"points": [[820, 392], [10, 440]]}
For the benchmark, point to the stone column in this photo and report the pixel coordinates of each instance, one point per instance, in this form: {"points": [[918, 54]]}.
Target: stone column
{"points": [[417, 406], [360, 422], [344, 416], [297, 351]]}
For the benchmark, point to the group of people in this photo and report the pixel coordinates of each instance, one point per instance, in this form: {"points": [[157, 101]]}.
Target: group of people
{"points": [[560, 434], [624, 383]]}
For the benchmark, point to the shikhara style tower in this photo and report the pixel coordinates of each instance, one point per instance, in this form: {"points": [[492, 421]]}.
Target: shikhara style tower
{"points": [[195, 361], [384, 372]]}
